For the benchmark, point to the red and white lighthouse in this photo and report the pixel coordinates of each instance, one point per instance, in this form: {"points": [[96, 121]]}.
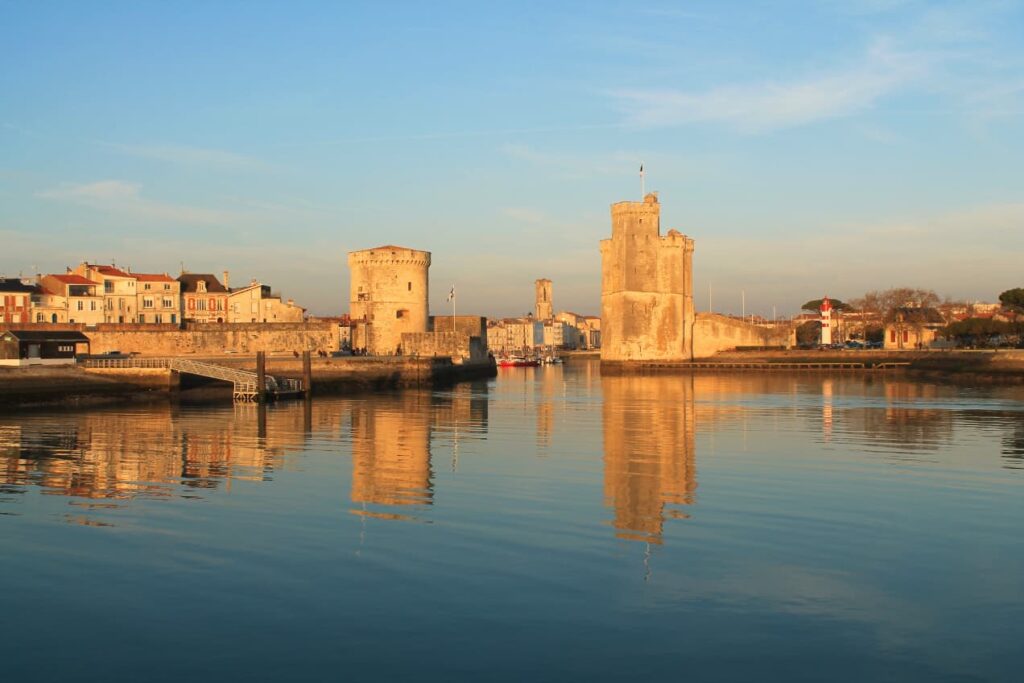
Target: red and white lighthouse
{"points": [[826, 322]]}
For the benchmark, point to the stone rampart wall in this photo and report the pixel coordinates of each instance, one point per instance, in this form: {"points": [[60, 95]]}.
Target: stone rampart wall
{"points": [[214, 338], [459, 347], [202, 338], [713, 333]]}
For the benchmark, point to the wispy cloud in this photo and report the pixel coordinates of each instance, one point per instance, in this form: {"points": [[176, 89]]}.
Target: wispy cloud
{"points": [[771, 105], [191, 156], [126, 199]]}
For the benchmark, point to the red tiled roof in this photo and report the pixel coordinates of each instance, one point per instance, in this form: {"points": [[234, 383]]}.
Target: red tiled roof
{"points": [[109, 270], [71, 279], [153, 277]]}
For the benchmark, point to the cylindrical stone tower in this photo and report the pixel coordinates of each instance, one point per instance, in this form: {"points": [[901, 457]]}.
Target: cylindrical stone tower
{"points": [[390, 290]]}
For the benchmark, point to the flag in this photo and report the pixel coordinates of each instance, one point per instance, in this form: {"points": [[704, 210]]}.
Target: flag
{"points": [[451, 294], [641, 169]]}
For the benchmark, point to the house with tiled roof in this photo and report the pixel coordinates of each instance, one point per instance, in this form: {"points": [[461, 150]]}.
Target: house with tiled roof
{"points": [[118, 287], [67, 298], [15, 300], [203, 298], [257, 303], [158, 298]]}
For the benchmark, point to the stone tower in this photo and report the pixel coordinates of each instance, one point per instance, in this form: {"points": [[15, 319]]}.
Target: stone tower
{"points": [[545, 307], [390, 288], [646, 287]]}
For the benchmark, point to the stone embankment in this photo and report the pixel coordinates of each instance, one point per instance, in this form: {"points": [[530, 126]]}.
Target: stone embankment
{"points": [[967, 366], [74, 386]]}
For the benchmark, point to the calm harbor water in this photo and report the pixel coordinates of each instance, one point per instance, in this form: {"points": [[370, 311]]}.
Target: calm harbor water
{"points": [[551, 524]]}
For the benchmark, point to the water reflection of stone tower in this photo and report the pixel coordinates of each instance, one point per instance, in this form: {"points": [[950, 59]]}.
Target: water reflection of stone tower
{"points": [[391, 451], [646, 287], [545, 306], [389, 296], [649, 460]]}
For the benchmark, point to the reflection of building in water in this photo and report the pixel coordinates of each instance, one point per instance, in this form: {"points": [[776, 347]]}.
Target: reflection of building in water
{"points": [[123, 454], [392, 439], [1013, 445], [391, 450], [649, 460], [826, 408], [905, 422]]}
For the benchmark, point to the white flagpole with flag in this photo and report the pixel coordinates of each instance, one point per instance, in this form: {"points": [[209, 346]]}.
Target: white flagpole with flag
{"points": [[643, 193], [451, 297]]}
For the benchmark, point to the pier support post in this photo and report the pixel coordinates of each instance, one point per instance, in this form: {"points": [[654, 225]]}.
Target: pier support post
{"points": [[261, 376], [307, 373]]}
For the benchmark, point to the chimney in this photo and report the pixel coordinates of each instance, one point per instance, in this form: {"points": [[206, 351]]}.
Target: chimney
{"points": [[226, 285]]}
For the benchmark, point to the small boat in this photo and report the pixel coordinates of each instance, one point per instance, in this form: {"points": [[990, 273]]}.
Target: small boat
{"points": [[517, 362]]}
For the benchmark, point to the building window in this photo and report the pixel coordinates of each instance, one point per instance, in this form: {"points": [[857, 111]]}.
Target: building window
{"points": [[81, 305], [147, 302], [201, 304], [410, 286], [92, 305], [168, 303], [158, 318], [401, 313], [201, 286], [146, 286], [363, 296], [167, 285], [108, 286], [39, 317]]}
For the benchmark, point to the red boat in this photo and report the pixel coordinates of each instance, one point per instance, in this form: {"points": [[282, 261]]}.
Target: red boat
{"points": [[518, 362]]}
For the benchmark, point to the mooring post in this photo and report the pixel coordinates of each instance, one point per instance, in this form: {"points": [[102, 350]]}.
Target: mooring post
{"points": [[261, 376], [307, 373]]}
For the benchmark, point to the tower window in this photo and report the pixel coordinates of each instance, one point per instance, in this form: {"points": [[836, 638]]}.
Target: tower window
{"points": [[410, 286]]}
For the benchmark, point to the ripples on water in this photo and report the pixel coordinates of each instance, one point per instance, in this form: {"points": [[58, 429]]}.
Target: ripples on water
{"points": [[552, 524]]}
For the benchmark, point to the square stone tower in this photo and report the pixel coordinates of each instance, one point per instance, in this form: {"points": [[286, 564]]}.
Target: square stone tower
{"points": [[646, 287], [545, 306]]}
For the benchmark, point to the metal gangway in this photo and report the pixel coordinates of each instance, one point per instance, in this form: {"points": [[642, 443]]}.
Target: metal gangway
{"points": [[244, 381]]}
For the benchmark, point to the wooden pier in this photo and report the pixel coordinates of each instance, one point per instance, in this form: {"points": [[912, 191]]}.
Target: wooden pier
{"points": [[246, 383]]}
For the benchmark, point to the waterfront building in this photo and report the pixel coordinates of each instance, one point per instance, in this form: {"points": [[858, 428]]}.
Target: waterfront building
{"points": [[388, 297], [159, 298], [646, 287], [80, 297], [48, 307], [118, 288], [588, 328], [15, 300], [544, 307], [560, 335], [913, 327], [256, 303], [515, 336], [41, 347], [203, 298]]}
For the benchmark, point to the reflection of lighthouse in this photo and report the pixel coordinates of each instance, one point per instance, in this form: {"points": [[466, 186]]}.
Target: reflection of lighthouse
{"points": [[826, 322]]}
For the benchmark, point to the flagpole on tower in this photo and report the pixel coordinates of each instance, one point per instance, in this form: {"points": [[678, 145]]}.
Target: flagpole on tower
{"points": [[643, 192]]}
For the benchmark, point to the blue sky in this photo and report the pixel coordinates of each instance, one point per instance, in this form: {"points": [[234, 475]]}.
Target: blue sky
{"points": [[808, 148]]}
